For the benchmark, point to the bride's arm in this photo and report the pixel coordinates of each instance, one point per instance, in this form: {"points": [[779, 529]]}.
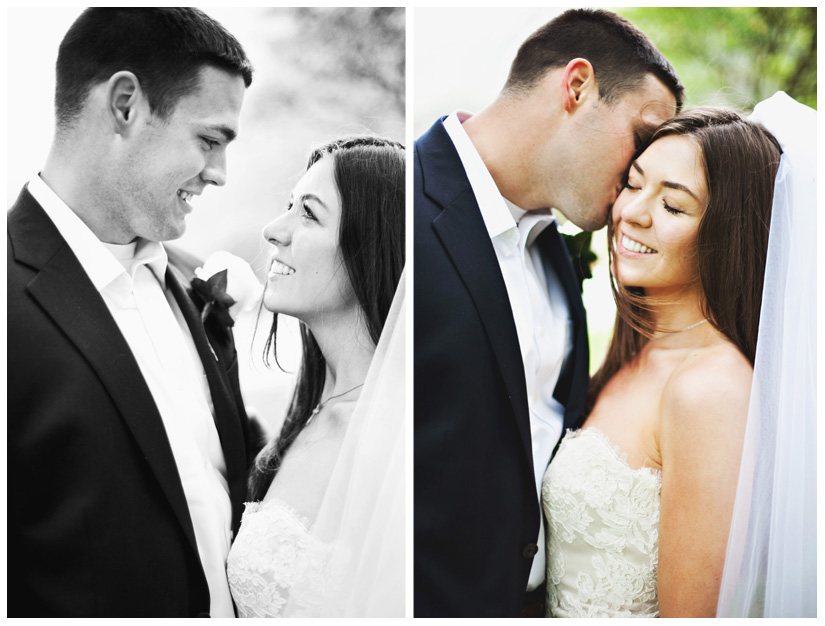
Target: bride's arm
{"points": [[704, 411]]}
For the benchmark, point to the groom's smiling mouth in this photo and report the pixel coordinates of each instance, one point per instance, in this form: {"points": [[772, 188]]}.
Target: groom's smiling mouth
{"points": [[186, 196]]}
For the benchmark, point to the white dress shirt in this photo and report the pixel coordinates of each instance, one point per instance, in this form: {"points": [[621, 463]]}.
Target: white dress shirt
{"points": [[540, 309], [131, 280]]}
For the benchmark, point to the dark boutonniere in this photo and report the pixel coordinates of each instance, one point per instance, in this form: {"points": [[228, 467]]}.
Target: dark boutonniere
{"points": [[212, 299], [224, 288], [581, 254]]}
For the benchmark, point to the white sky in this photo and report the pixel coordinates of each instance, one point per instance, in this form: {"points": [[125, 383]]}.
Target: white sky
{"points": [[462, 56]]}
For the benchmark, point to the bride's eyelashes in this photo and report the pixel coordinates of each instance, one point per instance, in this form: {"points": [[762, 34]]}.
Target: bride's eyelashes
{"points": [[670, 209], [307, 212]]}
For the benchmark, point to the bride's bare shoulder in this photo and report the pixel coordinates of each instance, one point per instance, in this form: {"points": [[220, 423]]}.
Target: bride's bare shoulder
{"points": [[711, 386]]}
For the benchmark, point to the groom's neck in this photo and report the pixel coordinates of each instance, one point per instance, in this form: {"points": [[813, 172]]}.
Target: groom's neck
{"points": [[511, 136]]}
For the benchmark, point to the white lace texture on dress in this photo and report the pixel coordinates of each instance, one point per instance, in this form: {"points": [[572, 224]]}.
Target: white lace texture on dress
{"points": [[603, 531], [277, 567]]}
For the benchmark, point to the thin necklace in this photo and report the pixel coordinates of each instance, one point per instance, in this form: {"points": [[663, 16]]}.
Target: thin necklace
{"points": [[323, 403], [676, 332], [693, 326]]}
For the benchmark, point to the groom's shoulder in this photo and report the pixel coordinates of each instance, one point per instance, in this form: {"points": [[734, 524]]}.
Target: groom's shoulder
{"points": [[23, 204], [437, 166], [434, 135]]}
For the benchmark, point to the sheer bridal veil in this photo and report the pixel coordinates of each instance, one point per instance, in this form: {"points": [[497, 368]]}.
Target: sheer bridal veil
{"points": [[363, 509], [770, 565]]}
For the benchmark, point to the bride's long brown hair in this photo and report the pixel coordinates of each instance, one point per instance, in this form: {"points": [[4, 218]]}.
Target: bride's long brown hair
{"points": [[370, 176], [740, 160]]}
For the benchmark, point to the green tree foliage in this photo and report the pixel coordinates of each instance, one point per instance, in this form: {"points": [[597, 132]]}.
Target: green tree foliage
{"points": [[736, 56]]}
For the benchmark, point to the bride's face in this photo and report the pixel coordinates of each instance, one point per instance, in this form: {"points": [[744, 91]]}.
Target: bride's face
{"points": [[656, 217], [307, 278]]}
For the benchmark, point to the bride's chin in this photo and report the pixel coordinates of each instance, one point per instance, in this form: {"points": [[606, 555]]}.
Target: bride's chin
{"points": [[271, 303]]}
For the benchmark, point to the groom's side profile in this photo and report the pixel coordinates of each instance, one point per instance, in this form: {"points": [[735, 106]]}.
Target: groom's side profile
{"points": [[501, 350], [128, 443]]}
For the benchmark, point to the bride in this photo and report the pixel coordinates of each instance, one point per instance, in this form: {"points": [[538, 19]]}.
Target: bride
{"points": [[639, 501], [332, 481]]}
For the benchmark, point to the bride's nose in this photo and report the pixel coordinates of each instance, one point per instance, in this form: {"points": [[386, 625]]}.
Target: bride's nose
{"points": [[279, 231], [637, 211]]}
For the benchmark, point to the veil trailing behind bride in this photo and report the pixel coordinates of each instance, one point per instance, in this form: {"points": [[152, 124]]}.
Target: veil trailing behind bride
{"points": [[770, 565], [365, 502]]}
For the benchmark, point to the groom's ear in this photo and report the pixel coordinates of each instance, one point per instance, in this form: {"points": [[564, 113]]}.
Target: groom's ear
{"points": [[578, 83], [124, 98]]}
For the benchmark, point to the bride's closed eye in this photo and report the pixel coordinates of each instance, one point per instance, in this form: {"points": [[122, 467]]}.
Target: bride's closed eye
{"points": [[626, 184]]}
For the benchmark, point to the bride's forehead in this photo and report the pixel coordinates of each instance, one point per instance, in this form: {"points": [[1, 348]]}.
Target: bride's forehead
{"points": [[318, 182]]}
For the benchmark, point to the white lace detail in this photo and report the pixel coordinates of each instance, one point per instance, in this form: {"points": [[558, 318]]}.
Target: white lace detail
{"points": [[603, 531], [277, 567]]}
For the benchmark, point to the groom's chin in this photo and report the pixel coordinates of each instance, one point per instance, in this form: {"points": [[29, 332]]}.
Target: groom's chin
{"points": [[169, 232], [586, 219], [175, 227]]}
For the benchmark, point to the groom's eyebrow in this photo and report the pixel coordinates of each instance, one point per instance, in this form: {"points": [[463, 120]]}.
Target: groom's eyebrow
{"points": [[667, 183], [228, 133]]}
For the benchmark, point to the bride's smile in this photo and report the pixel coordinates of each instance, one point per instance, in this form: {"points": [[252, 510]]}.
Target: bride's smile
{"points": [[279, 269], [306, 278], [656, 217]]}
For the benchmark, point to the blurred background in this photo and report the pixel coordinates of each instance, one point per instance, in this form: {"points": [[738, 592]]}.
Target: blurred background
{"points": [[319, 73], [731, 56]]}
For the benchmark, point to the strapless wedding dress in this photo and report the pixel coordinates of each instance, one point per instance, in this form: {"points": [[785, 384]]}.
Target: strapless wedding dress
{"points": [[277, 567], [603, 531]]}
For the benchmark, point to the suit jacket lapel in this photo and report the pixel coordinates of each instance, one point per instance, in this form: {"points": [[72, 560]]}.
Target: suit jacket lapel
{"points": [[226, 415], [463, 234], [65, 292]]}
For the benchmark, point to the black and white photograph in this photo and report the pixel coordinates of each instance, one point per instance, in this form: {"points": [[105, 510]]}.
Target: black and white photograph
{"points": [[206, 318]]}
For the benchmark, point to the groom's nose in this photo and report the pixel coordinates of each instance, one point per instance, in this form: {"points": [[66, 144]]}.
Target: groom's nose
{"points": [[215, 171]]}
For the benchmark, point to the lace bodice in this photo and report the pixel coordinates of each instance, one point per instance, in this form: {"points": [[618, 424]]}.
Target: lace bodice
{"points": [[277, 567], [603, 531]]}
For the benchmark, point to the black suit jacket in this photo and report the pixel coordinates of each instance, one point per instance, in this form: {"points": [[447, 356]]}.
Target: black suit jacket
{"points": [[476, 507], [98, 523]]}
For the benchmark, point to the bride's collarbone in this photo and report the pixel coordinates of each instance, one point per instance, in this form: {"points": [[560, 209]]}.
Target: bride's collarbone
{"points": [[329, 425], [629, 409]]}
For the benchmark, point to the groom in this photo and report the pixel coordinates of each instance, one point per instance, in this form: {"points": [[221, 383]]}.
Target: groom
{"points": [[128, 444], [501, 354]]}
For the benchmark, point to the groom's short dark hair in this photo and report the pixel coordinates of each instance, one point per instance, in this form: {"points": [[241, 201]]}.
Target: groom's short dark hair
{"points": [[164, 47], [621, 54]]}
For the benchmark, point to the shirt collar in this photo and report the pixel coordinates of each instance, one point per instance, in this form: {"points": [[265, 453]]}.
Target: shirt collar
{"points": [[101, 262], [494, 212], [500, 216], [530, 223]]}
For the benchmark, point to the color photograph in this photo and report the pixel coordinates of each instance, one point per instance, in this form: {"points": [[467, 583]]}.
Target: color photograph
{"points": [[614, 312]]}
